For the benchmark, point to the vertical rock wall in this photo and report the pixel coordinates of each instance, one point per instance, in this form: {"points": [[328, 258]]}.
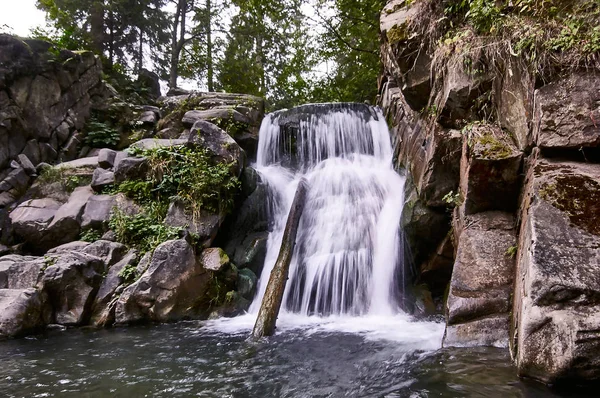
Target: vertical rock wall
{"points": [[517, 167]]}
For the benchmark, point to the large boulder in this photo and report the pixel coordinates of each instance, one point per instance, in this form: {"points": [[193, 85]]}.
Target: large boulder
{"points": [[172, 287], [31, 219], [71, 282], [103, 309], [479, 299], [22, 311], [97, 211], [556, 314], [219, 144], [20, 272], [66, 224], [204, 225], [490, 171], [567, 113]]}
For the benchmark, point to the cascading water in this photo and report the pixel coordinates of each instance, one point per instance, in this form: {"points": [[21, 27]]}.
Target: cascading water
{"points": [[347, 252]]}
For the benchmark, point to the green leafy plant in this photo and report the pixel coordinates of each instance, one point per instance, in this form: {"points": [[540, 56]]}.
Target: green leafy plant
{"points": [[90, 235], [101, 134], [128, 273], [452, 199], [191, 177], [511, 251], [141, 230]]}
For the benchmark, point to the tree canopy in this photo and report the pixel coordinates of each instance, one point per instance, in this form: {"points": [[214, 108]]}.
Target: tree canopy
{"points": [[288, 51]]}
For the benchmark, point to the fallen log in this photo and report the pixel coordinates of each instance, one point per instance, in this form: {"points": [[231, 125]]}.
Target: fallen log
{"points": [[271, 302]]}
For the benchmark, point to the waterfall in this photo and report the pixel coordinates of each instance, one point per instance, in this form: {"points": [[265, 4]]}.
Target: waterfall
{"points": [[347, 258]]}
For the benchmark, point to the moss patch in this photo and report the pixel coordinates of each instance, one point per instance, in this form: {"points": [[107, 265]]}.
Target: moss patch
{"points": [[492, 148], [577, 196]]}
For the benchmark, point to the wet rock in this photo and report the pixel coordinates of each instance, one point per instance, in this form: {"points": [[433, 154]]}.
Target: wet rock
{"points": [[482, 280], [556, 314], [246, 283], [71, 284], [490, 332], [214, 259], [22, 311], [171, 288]]}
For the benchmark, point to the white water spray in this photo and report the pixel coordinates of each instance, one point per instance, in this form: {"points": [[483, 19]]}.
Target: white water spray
{"points": [[347, 257]]}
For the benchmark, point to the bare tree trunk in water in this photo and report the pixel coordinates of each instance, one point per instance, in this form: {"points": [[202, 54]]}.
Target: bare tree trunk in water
{"points": [[271, 303]]}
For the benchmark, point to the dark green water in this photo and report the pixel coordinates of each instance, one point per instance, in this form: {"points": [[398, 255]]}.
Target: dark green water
{"points": [[190, 359]]}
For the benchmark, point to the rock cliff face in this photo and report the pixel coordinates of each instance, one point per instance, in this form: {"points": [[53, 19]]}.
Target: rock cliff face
{"points": [[146, 256], [504, 170], [45, 100]]}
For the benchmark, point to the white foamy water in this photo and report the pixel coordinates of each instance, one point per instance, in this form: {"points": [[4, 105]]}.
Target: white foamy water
{"points": [[346, 273]]}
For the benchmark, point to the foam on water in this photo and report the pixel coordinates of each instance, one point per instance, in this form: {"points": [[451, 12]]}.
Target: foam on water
{"points": [[346, 273]]}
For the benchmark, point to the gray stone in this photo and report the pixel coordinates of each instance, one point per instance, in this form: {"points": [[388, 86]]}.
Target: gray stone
{"points": [[66, 224], [97, 212], [205, 225], [109, 252], [490, 332], [172, 287], [102, 311], [106, 158], [217, 141], [32, 151], [30, 219], [214, 259], [75, 246], [482, 279], [153, 143], [246, 283], [556, 314], [169, 133], [84, 163], [71, 283], [102, 178], [22, 311], [16, 179], [148, 118], [191, 117], [20, 272], [130, 169], [26, 164], [567, 113], [490, 171]]}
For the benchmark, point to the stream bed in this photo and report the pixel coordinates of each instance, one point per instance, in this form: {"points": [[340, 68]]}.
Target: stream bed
{"points": [[309, 357]]}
